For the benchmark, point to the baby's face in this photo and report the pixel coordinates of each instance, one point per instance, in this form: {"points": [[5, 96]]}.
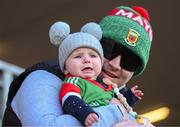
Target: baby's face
{"points": [[84, 62]]}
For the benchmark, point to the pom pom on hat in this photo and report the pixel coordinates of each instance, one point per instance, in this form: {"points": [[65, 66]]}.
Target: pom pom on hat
{"points": [[58, 32], [93, 29], [142, 11]]}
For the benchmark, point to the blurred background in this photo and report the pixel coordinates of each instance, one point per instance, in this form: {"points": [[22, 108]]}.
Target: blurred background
{"points": [[24, 40]]}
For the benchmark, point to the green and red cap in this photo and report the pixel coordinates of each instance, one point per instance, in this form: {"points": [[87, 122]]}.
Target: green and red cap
{"points": [[130, 27]]}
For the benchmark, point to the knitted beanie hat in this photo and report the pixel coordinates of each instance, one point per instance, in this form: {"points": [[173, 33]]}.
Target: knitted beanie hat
{"points": [[89, 36], [131, 29]]}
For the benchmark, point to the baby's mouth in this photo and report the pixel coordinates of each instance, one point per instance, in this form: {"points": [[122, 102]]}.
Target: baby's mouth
{"points": [[87, 69]]}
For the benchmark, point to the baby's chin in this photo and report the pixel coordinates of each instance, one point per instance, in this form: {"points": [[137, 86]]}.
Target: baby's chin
{"points": [[89, 77]]}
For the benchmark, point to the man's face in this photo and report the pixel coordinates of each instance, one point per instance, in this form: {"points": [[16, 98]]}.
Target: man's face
{"points": [[113, 70], [120, 63]]}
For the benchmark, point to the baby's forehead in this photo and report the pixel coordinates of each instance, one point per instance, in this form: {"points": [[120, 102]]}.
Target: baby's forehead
{"points": [[84, 50]]}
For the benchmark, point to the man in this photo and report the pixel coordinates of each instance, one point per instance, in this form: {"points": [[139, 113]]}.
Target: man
{"points": [[129, 28]]}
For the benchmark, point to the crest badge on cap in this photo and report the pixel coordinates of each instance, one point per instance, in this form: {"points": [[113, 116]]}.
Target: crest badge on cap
{"points": [[132, 37]]}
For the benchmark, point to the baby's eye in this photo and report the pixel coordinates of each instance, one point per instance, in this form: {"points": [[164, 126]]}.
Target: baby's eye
{"points": [[78, 56], [93, 55]]}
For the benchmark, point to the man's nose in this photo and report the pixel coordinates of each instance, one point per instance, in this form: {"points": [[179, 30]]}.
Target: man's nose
{"points": [[115, 62]]}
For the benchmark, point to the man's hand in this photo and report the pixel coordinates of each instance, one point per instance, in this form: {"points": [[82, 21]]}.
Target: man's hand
{"points": [[136, 92], [91, 118]]}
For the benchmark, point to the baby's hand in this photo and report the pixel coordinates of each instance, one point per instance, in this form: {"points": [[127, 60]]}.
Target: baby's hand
{"points": [[136, 92], [91, 118]]}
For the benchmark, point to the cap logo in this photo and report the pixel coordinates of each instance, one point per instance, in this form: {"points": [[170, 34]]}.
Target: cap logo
{"points": [[132, 37], [137, 18]]}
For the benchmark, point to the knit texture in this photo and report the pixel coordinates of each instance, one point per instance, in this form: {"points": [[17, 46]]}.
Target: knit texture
{"points": [[131, 31], [88, 37], [78, 40]]}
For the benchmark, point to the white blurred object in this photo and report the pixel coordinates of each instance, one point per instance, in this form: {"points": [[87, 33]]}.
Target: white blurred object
{"points": [[8, 71]]}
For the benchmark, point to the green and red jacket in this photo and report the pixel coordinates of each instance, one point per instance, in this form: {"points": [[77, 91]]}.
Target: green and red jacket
{"points": [[92, 92]]}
